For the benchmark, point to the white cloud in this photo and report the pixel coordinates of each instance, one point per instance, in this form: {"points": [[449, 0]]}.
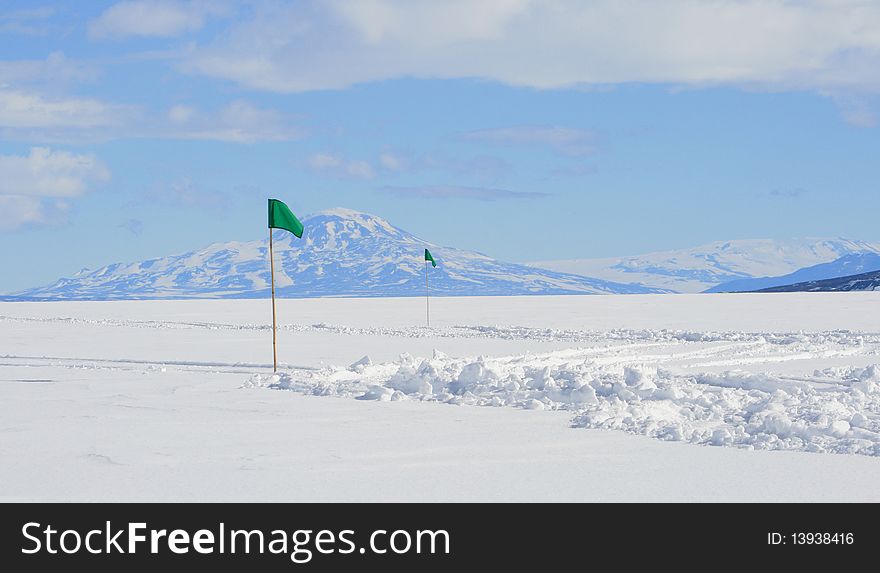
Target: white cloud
{"points": [[153, 18], [237, 122], [856, 110], [47, 173], [21, 109], [180, 113], [37, 188], [34, 107], [486, 168], [771, 44], [186, 192], [338, 166], [26, 21], [36, 13], [30, 116], [461, 192], [451, 21], [324, 161], [361, 170], [564, 140], [392, 161], [860, 116], [55, 68], [17, 211]]}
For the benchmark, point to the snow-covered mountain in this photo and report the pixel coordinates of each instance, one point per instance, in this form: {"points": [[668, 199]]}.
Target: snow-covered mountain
{"points": [[342, 253], [845, 266], [703, 267], [864, 281]]}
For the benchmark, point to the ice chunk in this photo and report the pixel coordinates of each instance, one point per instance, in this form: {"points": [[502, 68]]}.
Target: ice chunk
{"points": [[380, 393], [361, 364]]}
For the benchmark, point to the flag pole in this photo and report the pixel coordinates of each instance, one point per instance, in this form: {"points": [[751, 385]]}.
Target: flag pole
{"points": [[272, 267], [427, 297]]}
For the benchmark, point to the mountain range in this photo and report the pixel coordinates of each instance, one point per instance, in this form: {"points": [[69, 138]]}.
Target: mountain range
{"points": [[863, 281], [341, 253], [700, 268], [845, 266], [349, 253]]}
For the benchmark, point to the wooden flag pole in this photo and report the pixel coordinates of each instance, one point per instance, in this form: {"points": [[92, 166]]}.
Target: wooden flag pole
{"points": [[427, 297], [272, 267]]}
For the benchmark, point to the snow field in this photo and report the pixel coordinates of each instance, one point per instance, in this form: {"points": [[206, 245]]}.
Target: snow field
{"points": [[175, 400]]}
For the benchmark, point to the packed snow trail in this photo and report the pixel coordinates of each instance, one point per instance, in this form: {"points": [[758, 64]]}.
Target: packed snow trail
{"points": [[833, 410], [840, 336]]}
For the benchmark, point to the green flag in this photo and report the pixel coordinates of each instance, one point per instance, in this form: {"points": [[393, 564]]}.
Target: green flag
{"points": [[428, 257], [280, 217]]}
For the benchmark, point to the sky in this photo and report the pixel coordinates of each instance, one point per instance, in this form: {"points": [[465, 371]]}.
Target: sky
{"points": [[523, 129]]}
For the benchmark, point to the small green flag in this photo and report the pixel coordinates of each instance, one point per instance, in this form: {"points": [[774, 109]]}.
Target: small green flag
{"points": [[280, 217], [428, 257]]}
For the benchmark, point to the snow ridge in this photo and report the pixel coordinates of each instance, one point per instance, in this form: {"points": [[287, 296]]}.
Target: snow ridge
{"points": [[625, 387]]}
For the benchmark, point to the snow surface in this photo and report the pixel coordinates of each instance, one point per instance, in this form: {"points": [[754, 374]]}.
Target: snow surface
{"points": [[700, 268], [173, 400]]}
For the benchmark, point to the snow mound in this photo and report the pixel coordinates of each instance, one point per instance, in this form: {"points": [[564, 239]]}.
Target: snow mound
{"points": [[835, 410]]}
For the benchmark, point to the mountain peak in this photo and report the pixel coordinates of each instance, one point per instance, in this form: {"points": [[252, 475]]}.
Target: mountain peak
{"points": [[343, 213], [342, 221]]}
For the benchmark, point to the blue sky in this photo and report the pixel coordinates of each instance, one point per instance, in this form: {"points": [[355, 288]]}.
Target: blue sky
{"points": [[526, 130]]}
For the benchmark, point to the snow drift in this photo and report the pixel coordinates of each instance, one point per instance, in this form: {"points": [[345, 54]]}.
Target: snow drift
{"points": [[834, 410]]}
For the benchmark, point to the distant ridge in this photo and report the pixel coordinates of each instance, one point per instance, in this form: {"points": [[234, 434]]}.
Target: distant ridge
{"points": [[700, 268], [847, 265], [862, 282]]}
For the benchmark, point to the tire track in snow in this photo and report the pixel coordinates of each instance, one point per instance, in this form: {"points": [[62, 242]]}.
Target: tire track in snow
{"points": [[490, 332], [133, 364]]}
